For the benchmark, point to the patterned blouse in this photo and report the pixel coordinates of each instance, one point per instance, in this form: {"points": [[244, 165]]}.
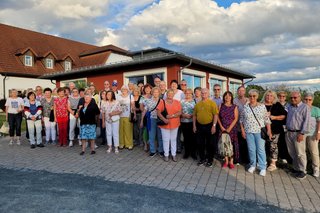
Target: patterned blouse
{"points": [[150, 104], [187, 108], [107, 107], [47, 106], [61, 105], [248, 120]]}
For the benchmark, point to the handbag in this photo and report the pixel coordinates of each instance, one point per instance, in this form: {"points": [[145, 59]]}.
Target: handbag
{"points": [[225, 146], [264, 133], [5, 128], [114, 118], [164, 113], [131, 118]]}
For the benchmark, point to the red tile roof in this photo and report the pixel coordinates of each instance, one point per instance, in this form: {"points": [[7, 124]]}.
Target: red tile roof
{"points": [[16, 41]]}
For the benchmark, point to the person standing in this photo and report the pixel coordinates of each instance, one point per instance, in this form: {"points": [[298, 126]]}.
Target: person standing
{"points": [[73, 102], [313, 136], [253, 118], [297, 127], [88, 113], [228, 118], [163, 88], [205, 116], [48, 116], [137, 131], [216, 94], [14, 107], [172, 120], [33, 111], [106, 86], [156, 81], [197, 94], [103, 101], [39, 94]]}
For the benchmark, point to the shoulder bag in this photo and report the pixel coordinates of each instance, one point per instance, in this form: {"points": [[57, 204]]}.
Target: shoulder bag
{"points": [[164, 113], [264, 133]]}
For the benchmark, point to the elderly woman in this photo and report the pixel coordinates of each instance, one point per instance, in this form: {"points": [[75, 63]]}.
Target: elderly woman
{"points": [[252, 119], [126, 127], [111, 111], [146, 91], [137, 131], [178, 94], [14, 108], [187, 105], [150, 106], [33, 113], [48, 116], [197, 94], [282, 98], [172, 120], [87, 114], [227, 119], [277, 115], [313, 136]]}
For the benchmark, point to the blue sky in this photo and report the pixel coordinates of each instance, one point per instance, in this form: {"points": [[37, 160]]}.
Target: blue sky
{"points": [[276, 40]]}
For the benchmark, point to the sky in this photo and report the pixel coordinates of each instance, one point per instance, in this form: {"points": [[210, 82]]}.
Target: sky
{"points": [[278, 41]]}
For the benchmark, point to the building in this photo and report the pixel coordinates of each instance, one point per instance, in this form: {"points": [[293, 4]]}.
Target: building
{"points": [[37, 57]]}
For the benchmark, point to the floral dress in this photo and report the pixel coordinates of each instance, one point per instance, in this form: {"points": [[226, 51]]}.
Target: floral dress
{"points": [[226, 116]]}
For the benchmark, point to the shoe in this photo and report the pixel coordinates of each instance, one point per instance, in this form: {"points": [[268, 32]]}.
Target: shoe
{"points": [[161, 154], [271, 168], [152, 155], [166, 158], [11, 142], [32, 146], [120, 147], [225, 165], [174, 158], [80, 143], [301, 175], [201, 162], [178, 151], [82, 153], [93, 152], [194, 158], [185, 156], [231, 166], [284, 161], [130, 148], [209, 164], [53, 142], [18, 142], [109, 150], [71, 144], [95, 146], [116, 150], [252, 169], [316, 174], [40, 145], [263, 173], [102, 143]]}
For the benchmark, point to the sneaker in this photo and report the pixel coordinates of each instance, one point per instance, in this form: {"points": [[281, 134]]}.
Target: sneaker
{"points": [[316, 174], [109, 150], [152, 155], [40, 145], [18, 142], [271, 168], [284, 161], [11, 142], [71, 144], [166, 158], [301, 175], [116, 150], [263, 173], [252, 169], [201, 162], [32, 146], [174, 158], [161, 154], [209, 164]]}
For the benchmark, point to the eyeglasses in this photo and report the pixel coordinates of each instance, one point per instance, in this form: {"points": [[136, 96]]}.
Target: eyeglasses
{"points": [[293, 97], [281, 96], [252, 96], [308, 99], [183, 84], [216, 89]]}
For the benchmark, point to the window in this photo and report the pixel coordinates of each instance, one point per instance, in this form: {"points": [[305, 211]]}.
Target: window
{"points": [[28, 60], [145, 76], [233, 87], [217, 79], [67, 65], [194, 78], [49, 63]]}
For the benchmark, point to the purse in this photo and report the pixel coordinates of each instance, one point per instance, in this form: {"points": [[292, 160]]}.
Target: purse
{"points": [[264, 132], [164, 113], [114, 118], [5, 128]]}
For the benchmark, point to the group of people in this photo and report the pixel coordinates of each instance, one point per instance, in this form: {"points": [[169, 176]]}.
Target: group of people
{"points": [[168, 121]]}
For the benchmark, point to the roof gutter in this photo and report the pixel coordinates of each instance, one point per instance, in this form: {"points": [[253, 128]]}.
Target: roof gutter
{"points": [[248, 81], [182, 68]]}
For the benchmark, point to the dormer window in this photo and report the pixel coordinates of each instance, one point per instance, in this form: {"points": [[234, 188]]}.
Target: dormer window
{"points": [[67, 65], [49, 63], [28, 60]]}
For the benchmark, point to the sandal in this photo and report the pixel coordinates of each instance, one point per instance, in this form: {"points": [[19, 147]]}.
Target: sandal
{"points": [[272, 167]]}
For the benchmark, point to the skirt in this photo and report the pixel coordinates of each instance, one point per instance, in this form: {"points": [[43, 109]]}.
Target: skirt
{"points": [[88, 132]]}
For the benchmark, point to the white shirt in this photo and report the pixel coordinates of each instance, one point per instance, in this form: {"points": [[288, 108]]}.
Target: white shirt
{"points": [[125, 105], [14, 105]]}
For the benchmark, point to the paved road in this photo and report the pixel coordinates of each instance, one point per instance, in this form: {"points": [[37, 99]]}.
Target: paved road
{"points": [[40, 191]]}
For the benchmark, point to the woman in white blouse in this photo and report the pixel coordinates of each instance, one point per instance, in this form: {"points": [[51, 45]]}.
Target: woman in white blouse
{"points": [[253, 118]]}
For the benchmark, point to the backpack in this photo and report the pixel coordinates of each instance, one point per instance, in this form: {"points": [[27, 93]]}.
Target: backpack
{"points": [[225, 145]]}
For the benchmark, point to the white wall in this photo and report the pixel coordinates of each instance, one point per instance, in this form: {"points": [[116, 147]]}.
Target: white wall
{"points": [[113, 58], [22, 84]]}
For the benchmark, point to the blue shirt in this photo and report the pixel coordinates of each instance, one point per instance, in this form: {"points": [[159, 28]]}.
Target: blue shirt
{"points": [[298, 118]]}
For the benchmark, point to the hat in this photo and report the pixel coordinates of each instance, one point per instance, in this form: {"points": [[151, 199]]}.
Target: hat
{"points": [[114, 83]]}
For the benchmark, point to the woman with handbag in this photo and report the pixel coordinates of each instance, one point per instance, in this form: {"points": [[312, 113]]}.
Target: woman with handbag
{"points": [[14, 107], [146, 95], [227, 120], [48, 116], [253, 118], [277, 114], [87, 114], [137, 131], [111, 111], [169, 112], [150, 106]]}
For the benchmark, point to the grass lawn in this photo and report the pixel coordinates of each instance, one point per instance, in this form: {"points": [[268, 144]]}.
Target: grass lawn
{"points": [[3, 118]]}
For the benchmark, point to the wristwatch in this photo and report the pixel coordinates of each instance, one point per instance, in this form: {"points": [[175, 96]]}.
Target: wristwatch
{"points": [[214, 124]]}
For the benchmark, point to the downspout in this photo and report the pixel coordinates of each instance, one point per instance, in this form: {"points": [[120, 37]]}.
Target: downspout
{"points": [[4, 86], [188, 65], [53, 82], [248, 81]]}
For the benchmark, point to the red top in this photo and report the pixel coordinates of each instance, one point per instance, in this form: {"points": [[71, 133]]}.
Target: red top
{"points": [[173, 108], [61, 105]]}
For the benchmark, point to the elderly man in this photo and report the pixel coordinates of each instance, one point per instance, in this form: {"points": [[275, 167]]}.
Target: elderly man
{"points": [[205, 116], [156, 81], [297, 127], [71, 86], [106, 86], [313, 136], [216, 94]]}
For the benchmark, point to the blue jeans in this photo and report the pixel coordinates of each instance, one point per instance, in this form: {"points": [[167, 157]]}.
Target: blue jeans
{"points": [[256, 148], [155, 130]]}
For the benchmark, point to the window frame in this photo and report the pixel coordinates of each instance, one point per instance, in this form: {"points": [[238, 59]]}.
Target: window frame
{"points": [[234, 81], [47, 63], [144, 73], [69, 65], [27, 59], [197, 73]]}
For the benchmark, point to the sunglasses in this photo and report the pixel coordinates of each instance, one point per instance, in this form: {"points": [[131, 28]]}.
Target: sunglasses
{"points": [[183, 84], [308, 99], [293, 97]]}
